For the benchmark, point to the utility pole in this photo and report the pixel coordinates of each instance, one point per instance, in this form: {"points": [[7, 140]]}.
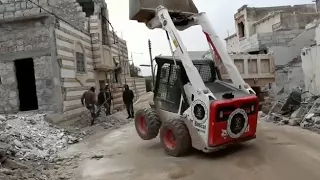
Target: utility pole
{"points": [[134, 80], [151, 61]]}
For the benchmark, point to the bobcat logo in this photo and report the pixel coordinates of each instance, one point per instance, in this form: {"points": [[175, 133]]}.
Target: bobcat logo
{"points": [[199, 111]]}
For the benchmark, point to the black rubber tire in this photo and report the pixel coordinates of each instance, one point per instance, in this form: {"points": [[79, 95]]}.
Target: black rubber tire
{"points": [[153, 123], [182, 137]]}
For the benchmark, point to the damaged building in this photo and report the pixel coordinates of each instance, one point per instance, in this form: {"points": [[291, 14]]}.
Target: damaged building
{"points": [[51, 51], [278, 31], [259, 28]]}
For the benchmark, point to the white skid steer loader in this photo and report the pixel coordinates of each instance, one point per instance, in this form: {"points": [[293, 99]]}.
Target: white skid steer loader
{"points": [[192, 107]]}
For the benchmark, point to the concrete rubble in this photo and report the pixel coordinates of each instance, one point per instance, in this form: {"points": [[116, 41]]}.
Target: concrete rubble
{"points": [[28, 141], [297, 111]]}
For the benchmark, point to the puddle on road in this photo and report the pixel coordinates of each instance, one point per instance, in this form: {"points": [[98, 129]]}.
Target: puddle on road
{"points": [[99, 168]]}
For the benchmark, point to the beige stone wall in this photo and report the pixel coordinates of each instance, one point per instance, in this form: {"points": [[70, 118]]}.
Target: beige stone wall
{"points": [[137, 85], [74, 85]]}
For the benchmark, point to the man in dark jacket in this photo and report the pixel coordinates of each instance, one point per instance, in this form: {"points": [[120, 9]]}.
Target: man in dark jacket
{"points": [[109, 98], [128, 100], [89, 100], [104, 98]]}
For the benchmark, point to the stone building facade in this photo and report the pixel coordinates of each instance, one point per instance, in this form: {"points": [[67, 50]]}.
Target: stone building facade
{"points": [[51, 51], [258, 28]]}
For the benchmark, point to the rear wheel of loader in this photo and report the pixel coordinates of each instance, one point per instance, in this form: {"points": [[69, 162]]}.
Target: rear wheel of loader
{"points": [[175, 137], [147, 123]]}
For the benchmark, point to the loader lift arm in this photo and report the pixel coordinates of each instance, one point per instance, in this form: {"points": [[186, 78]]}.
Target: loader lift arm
{"points": [[173, 22]]}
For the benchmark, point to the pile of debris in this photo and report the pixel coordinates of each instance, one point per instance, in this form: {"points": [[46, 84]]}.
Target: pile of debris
{"points": [[29, 137], [29, 145], [296, 111]]}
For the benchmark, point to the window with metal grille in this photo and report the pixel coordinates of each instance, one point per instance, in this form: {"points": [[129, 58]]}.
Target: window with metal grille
{"points": [[81, 67], [205, 73], [169, 84]]}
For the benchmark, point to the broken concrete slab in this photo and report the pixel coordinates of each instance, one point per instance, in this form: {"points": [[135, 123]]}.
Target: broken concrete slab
{"points": [[295, 121]]}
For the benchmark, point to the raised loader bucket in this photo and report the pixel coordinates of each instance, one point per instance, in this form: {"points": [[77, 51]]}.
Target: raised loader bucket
{"points": [[144, 10]]}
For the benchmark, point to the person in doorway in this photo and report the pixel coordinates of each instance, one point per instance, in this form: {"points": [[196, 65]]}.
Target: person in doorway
{"points": [[128, 100], [88, 99]]}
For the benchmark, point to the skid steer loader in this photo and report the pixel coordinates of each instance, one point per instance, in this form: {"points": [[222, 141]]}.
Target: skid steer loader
{"points": [[192, 107]]}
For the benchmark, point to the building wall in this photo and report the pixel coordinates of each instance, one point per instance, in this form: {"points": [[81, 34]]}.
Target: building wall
{"points": [[30, 37], [310, 64], [249, 44], [267, 25], [265, 20], [233, 44], [297, 21], [69, 10], [73, 84]]}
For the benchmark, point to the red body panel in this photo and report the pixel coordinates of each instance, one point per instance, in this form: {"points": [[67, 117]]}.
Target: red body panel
{"points": [[216, 128]]}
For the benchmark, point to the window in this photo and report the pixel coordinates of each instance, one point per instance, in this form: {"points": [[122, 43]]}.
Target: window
{"points": [[241, 29], [80, 59], [169, 91], [169, 83], [87, 7], [206, 72]]}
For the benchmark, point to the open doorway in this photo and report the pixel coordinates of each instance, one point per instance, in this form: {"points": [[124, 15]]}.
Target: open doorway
{"points": [[26, 84]]}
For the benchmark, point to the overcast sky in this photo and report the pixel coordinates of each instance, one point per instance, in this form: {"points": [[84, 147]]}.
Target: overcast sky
{"points": [[220, 12]]}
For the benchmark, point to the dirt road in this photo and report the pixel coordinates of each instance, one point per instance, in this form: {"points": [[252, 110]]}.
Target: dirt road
{"points": [[278, 153]]}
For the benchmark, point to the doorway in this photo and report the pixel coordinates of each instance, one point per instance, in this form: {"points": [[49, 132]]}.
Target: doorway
{"points": [[26, 84]]}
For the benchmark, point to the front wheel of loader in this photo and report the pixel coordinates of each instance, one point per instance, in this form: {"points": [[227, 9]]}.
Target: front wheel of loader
{"points": [[175, 137], [147, 123]]}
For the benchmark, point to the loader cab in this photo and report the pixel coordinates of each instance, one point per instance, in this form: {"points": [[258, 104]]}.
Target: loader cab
{"points": [[168, 94]]}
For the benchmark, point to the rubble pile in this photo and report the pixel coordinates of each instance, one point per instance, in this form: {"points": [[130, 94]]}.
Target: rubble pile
{"points": [[29, 137], [295, 111]]}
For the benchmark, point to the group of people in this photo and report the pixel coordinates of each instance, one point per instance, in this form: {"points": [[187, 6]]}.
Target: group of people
{"points": [[88, 99]]}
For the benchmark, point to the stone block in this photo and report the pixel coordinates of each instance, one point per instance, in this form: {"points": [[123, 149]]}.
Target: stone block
{"points": [[11, 1], [28, 47], [18, 14], [43, 3], [8, 15], [1, 16], [20, 42], [20, 48], [26, 12], [23, 5], [35, 11], [10, 80], [10, 8], [79, 9], [5, 1], [2, 9], [13, 102], [18, 0], [13, 94], [18, 6], [29, 5]]}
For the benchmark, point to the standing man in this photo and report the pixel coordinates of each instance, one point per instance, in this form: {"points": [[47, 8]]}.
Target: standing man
{"points": [[109, 98], [128, 100], [89, 98]]}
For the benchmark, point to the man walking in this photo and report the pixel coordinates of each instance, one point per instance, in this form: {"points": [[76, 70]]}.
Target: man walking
{"points": [[128, 100], [89, 98]]}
